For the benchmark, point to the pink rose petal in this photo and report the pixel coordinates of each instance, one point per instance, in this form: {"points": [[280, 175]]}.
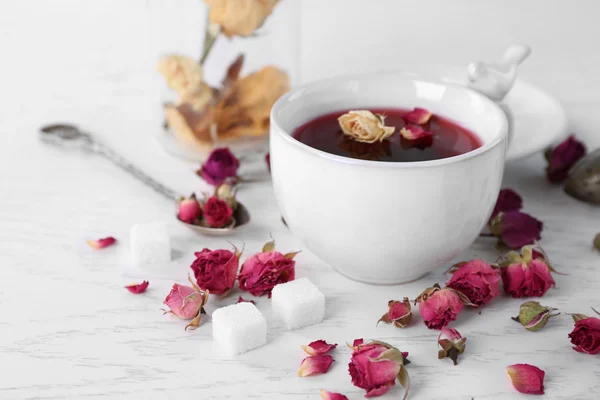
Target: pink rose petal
{"points": [[379, 391], [526, 378], [102, 243], [418, 116], [414, 132], [357, 342], [325, 395], [318, 347], [241, 300], [137, 288], [315, 365]]}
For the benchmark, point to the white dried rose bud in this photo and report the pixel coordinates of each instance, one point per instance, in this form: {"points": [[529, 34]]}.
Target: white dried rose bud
{"points": [[364, 126]]}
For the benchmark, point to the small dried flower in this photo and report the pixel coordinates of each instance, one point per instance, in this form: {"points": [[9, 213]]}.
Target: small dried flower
{"points": [[318, 347], [364, 126], [516, 229], [187, 303], [241, 300], [508, 200], [220, 165], [438, 306], [534, 316], [239, 17], [477, 280], [418, 116], [414, 132], [261, 272], [226, 192], [375, 366], [325, 395], [452, 344], [562, 158], [526, 274], [189, 209], [315, 365], [399, 313], [182, 73], [137, 288], [585, 336], [526, 378], [101, 243], [216, 270], [217, 213]]}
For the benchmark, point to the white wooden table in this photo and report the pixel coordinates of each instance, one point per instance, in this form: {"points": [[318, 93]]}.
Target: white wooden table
{"points": [[68, 328]]}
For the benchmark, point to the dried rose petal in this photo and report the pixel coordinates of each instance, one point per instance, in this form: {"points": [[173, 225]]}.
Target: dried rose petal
{"points": [[414, 132], [318, 347], [562, 158], [477, 280], [440, 306], [189, 210], [399, 313], [220, 165], [101, 243], [137, 288], [241, 300], [516, 229], [533, 316], [357, 342], [452, 344], [315, 365], [508, 200], [526, 378], [418, 116], [217, 213], [586, 334], [325, 395]]}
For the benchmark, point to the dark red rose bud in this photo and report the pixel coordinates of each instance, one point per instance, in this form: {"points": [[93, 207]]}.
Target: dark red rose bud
{"points": [[220, 165], [216, 270], [562, 158], [516, 229], [586, 335], [217, 213], [508, 200]]}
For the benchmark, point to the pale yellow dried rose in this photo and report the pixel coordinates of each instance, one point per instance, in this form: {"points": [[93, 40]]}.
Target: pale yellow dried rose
{"points": [[190, 126], [182, 73], [239, 17], [364, 126]]}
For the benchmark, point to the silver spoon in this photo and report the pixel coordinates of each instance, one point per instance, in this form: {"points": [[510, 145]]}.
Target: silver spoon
{"points": [[66, 135]]}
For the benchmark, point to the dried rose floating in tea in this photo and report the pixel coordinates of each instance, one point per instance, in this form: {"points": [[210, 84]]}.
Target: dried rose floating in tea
{"points": [[220, 165], [414, 132], [325, 395], [101, 243], [477, 280], [189, 209], [261, 272], [399, 313], [526, 378], [374, 367], [562, 158], [237, 18], [534, 316], [137, 288], [508, 200], [365, 127], [440, 306], [216, 270], [418, 116], [187, 303], [585, 336], [318, 347], [452, 344], [516, 229], [315, 365], [526, 274]]}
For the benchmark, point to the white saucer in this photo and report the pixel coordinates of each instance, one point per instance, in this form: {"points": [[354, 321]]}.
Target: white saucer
{"points": [[539, 119]]}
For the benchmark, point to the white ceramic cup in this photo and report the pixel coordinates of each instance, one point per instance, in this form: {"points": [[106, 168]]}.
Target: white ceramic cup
{"points": [[386, 222]]}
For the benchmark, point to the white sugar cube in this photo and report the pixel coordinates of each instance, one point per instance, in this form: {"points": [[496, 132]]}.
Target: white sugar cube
{"points": [[298, 303], [239, 328], [150, 244]]}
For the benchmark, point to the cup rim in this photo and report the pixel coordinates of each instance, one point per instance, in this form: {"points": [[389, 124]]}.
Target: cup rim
{"points": [[280, 103]]}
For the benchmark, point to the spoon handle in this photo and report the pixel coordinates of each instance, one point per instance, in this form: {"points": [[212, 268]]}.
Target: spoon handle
{"points": [[120, 161]]}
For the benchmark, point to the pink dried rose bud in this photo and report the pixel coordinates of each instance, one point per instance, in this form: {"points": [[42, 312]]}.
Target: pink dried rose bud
{"points": [[585, 336], [418, 116], [452, 344], [440, 306], [101, 243], [137, 288], [562, 158], [325, 395], [526, 378], [261, 272], [220, 165], [508, 200], [414, 132], [189, 210], [187, 303], [534, 316], [217, 213], [241, 300], [315, 365], [516, 229], [318, 347], [525, 274], [216, 270], [375, 366], [477, 280], [399, 313]]}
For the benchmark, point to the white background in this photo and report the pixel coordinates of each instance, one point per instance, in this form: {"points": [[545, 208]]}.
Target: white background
{"points": [[67, 327]]}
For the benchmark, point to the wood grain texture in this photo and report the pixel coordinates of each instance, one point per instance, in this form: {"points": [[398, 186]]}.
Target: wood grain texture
{"points": [[68, 328]]}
